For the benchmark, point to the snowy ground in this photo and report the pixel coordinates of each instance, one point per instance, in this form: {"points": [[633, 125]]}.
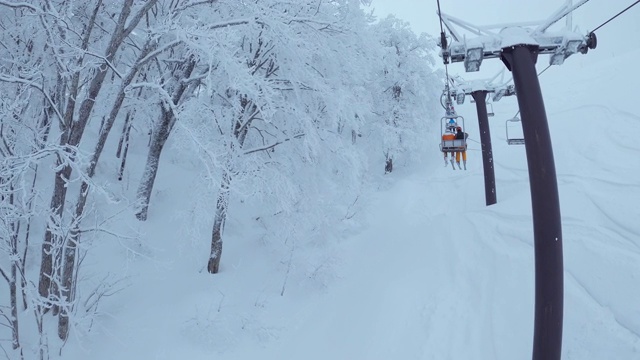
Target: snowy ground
{"points": [[430, 274]]}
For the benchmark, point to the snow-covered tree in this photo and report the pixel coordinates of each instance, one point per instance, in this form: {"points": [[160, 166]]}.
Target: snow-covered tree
{"points": [[69, 48], [405, 88], [280, 91], [27, 112]]}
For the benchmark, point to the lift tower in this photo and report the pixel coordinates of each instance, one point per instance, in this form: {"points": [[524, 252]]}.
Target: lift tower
{"points": [[479, 89], [518, 46]]}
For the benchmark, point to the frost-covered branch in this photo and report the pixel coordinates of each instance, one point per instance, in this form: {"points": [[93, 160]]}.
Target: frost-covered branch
{"points": [[225, 24], [271, 146], [16, 5], [152, 55], [13, 79], [161, 91], [4, 275], [186, 6], [106, 61], [137, 17]]}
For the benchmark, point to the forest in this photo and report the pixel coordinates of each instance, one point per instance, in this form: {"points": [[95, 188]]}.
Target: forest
{"points": [[291, 106]]}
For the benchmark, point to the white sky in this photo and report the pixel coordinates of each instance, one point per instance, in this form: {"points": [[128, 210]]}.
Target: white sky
{"points": [[613, 38]]}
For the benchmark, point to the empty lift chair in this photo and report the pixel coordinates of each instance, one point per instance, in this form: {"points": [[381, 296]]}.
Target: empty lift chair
{"points": [[490, 112], [511, 140]]}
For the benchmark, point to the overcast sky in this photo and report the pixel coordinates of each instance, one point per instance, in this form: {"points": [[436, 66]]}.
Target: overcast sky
{"points": [[622, 32]]}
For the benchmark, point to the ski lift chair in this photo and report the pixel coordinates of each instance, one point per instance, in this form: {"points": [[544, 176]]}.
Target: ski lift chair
{"points": [[453, 145], [490, 110], [513, 140]]}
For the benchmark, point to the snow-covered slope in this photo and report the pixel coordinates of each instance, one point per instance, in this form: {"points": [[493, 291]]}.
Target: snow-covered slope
{"points": [[431, 273]]}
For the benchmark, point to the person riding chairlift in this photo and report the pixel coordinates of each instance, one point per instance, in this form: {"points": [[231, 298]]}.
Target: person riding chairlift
{"points": [[461, 136], [449, 134]]}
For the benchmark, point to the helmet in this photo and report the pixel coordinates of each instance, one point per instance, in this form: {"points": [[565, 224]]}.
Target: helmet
{"points": [[459, 128]]}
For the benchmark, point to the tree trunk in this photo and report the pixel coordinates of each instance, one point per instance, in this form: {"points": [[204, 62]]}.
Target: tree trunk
{"points": [[123, 142], [222, 205], [122, 135], [13, 294], [240, 130], [52, 245], [68, 287], [13, 283], [159, 138], [125, 151], [13, 215]]}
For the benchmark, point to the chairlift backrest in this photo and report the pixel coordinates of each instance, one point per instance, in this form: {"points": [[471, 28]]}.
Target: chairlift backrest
{"points": [[490, 110]]}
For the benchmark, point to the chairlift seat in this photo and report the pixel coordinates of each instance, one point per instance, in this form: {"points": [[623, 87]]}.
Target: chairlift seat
{"points": [[453, 145], [515, 141]]}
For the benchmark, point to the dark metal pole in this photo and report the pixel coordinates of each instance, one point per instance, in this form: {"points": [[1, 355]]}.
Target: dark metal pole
{"points": [[485, 141], [547, 227]]}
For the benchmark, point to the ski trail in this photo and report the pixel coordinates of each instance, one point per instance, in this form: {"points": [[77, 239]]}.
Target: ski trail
{"points": [[422, 282], [474, 308], [395, 272], [621, 323]]}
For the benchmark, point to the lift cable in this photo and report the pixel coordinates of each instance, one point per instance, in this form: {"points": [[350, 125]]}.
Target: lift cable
{"points": [[540, 73], [548, 66], [615, 16], [592, 31], [443, 45], [440, 15]]}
